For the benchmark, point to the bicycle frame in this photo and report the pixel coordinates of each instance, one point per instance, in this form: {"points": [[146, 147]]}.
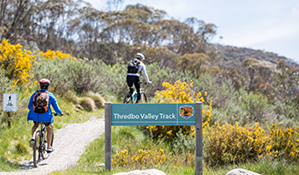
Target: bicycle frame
{"points": [[133, 97], [40, 144]]}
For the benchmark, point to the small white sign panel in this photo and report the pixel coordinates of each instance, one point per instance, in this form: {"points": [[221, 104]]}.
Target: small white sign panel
{"points": [[10, 102]]}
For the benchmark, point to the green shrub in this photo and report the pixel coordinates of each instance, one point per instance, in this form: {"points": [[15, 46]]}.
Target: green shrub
{"points": [[21, 149], [184, 143], [287, 113], [81, 75], [256, 107]]}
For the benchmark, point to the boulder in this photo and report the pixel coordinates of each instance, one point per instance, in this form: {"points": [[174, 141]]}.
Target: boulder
{"points": [[143, 172], [241, 172]]}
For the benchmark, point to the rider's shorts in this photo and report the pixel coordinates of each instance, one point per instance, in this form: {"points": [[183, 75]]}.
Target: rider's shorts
{"points": [[37, 123]]}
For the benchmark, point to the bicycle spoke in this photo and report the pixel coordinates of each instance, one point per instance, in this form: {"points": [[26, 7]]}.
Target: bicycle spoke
{"points": [[143, 98], [127, 98], [36, 149]]}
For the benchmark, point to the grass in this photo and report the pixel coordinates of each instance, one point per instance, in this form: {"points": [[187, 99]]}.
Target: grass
{"points": [[7, 165], [91, 162], [262, 166]]}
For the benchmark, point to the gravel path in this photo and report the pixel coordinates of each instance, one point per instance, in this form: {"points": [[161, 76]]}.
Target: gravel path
{"points": [[69, 143]]}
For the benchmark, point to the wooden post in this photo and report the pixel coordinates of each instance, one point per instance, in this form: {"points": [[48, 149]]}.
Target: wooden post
{"points": [[9, 120], [199, 158], [108, 136]]}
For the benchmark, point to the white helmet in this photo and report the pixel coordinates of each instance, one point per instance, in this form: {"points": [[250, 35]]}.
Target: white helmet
{"points": [[140, 55]]}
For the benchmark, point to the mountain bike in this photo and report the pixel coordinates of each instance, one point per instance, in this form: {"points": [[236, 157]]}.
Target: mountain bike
{"points": [[133, 97], [40, 144]]}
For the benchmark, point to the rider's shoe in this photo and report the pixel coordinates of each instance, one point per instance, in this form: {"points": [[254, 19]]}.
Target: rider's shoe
{"points": [[31, 143], [49, 150]]}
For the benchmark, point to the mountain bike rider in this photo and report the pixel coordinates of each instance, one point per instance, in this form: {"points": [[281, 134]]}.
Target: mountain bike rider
{"points": [[133, 76], [47, 116]]}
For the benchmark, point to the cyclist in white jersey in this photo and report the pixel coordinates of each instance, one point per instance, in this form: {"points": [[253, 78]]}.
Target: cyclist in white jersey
{"points": [[134, 70]]}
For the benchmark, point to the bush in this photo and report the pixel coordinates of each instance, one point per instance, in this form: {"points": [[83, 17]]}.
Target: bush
{"points": [[80, 75], [246, 108], [21, 149], [256, 107], [141, 158], [88, 104], [16, 62], [97, 98], [184, 143], [287, 113], [284, 143], [69, 95], [229, 144]]}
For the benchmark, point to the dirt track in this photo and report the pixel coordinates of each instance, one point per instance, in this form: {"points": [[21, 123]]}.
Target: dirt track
{"points": [[69, 143]]}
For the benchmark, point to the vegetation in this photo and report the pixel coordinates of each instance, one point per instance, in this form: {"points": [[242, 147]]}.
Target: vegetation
{"points": [[251, 104]]}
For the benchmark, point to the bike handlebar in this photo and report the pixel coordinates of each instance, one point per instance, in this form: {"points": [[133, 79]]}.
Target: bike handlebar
{"points": [[55, 114], [142, 82]]}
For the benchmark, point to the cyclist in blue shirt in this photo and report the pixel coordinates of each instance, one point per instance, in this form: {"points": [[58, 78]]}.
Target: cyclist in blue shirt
{"points": [[47, 116]]}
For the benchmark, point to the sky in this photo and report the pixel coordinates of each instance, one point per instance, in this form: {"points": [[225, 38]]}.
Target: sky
{"points": [[267, 25]]}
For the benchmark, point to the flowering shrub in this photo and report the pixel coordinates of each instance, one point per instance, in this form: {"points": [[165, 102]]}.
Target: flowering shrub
{"points": [[179, 92], [284, 143], [141, 158], [50, 54], [16, 62], [235, 144]]}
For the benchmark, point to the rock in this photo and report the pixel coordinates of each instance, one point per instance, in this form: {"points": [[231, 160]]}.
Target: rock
{"points": [[241, 172], [143, 172]]}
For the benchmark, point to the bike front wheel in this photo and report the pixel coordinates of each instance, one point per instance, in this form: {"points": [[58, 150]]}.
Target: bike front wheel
{"points": [[143, 98], [128, 98], [35, 149], [45, 154]]}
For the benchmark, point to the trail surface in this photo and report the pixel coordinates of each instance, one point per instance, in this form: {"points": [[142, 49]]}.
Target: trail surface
{"points": [[69, 143]]}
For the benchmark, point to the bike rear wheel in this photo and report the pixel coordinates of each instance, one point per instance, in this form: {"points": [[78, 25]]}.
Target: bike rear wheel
{"points": [[143, 98], [128, 98], [36, 148]]}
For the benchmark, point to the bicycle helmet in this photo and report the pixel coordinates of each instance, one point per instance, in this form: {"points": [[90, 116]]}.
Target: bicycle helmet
{"points": [[44, 83], [140, 56]]}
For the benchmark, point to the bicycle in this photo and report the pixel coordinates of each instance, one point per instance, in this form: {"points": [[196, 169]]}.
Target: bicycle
{"points": [[133, 97], [40, 144]]}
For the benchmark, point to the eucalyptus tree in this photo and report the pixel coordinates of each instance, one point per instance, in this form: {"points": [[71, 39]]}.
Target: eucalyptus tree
{"points": [[142, 28], [15, 18], [86, 27], [261, 76], [37, 21], [49, 29], [287, 82]]}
